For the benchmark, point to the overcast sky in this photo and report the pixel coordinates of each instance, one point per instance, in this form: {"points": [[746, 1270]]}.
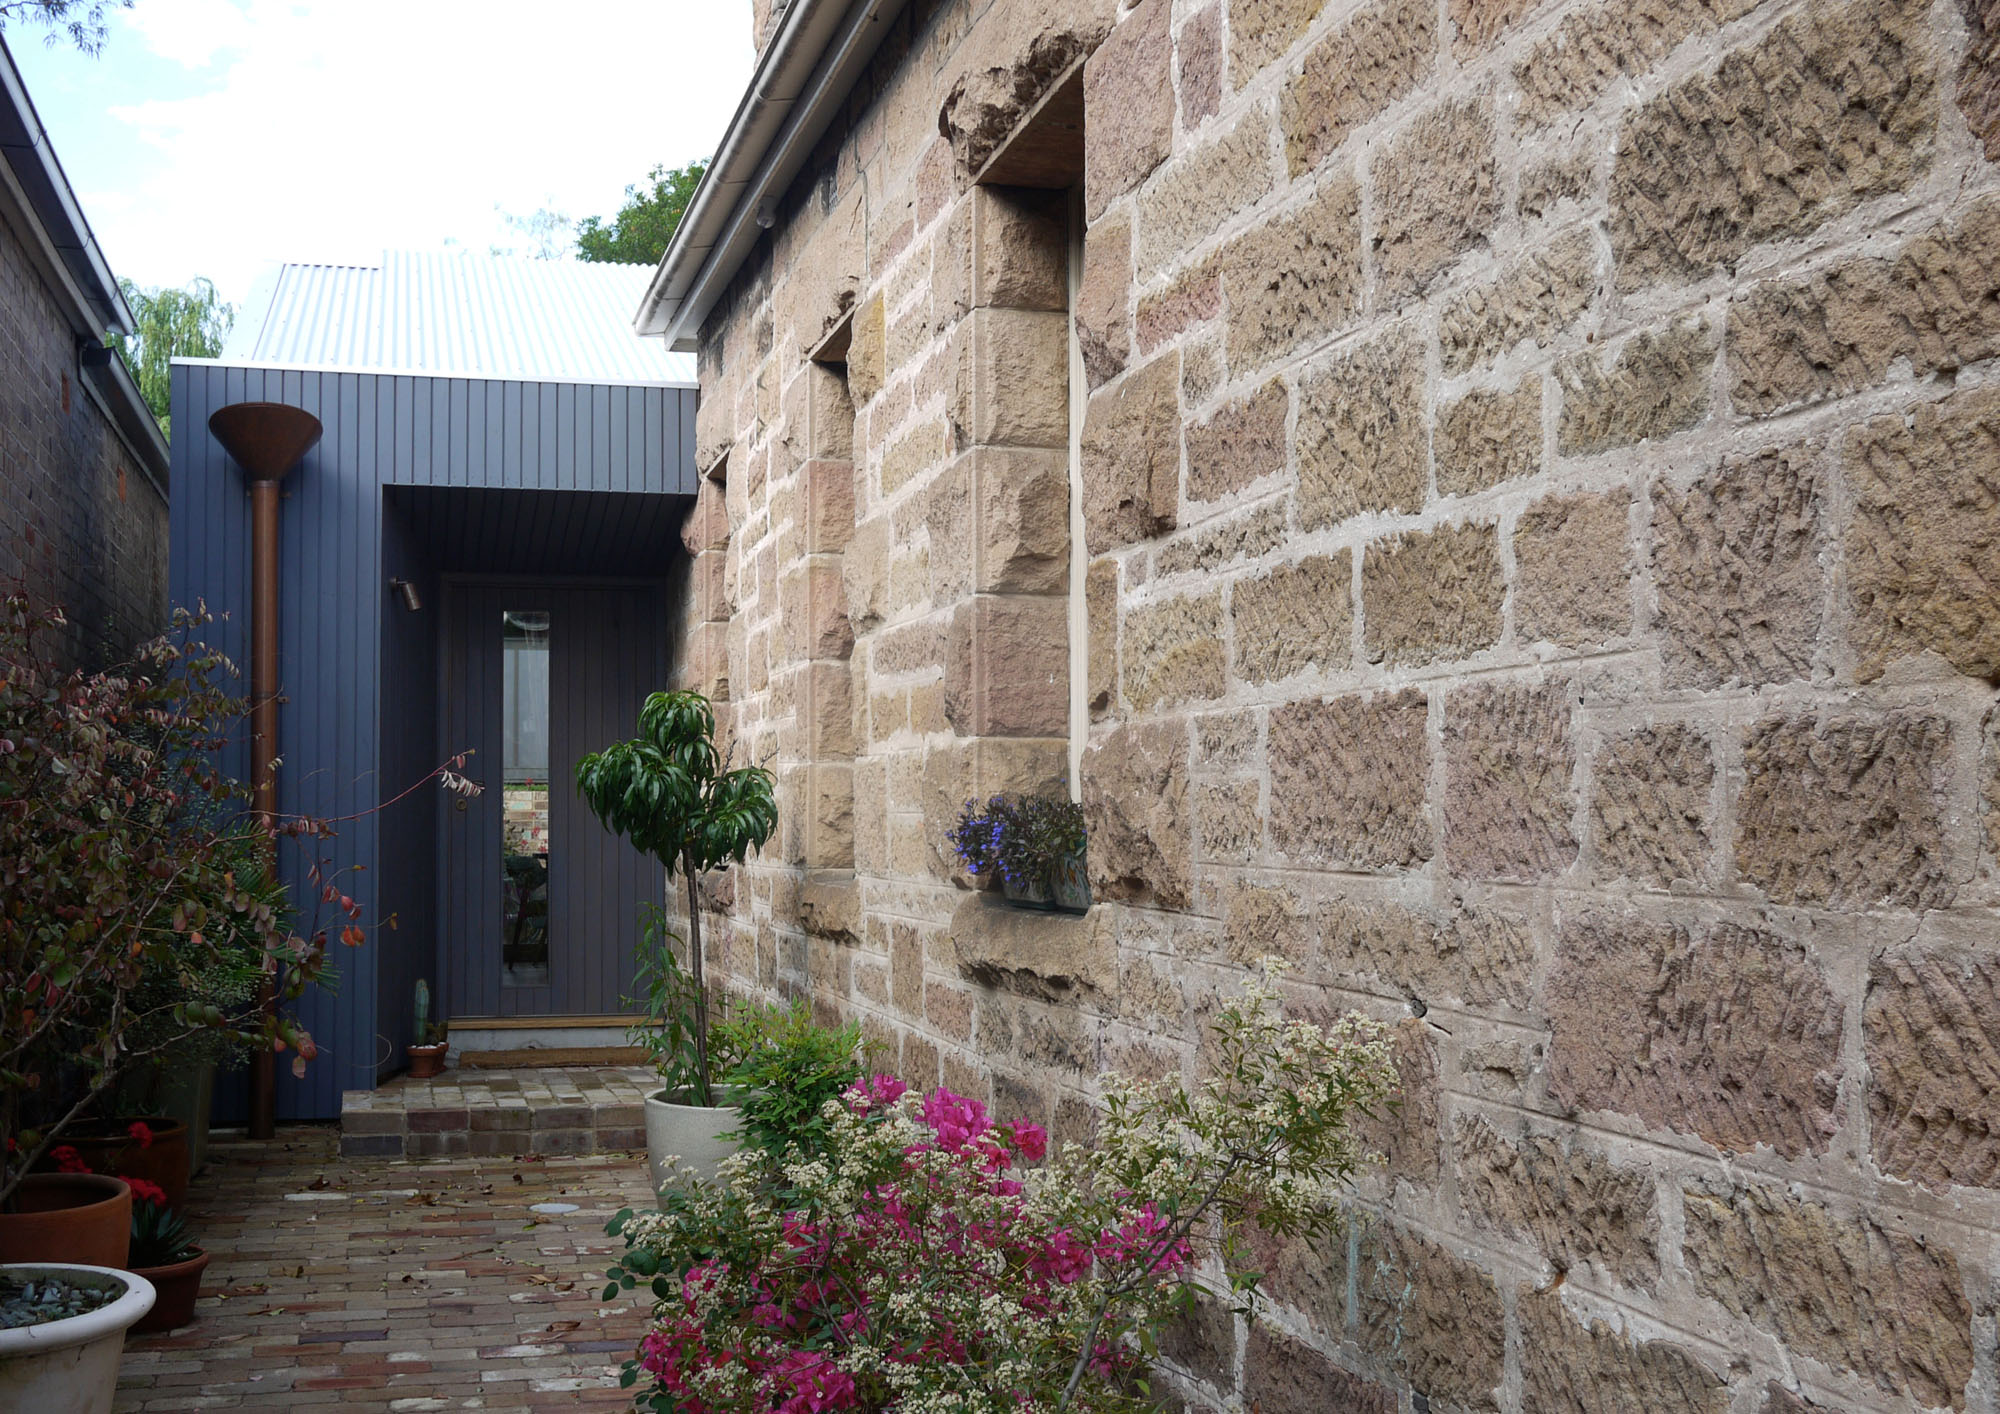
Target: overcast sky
{"points": [[215, 137]]}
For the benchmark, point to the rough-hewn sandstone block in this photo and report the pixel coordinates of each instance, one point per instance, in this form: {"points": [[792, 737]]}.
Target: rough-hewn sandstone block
{"points": [[1283, 1376], [1007, 669], [1433, 1318], [867, 351], [1435, 196], [1847, 811], [1509, 799], [1733, 1035], [1989, 781], [1411, 1139], [1537, 297], [999, 523], [1836, 104], [1203, 188], [1296, 278], [1242, 443], [1006, 66], [864, 569], [1932, 1029], [1477, 23], [1361, 432], [1128, 97], [1577, 1206], [1849, 1292], [1262, 30], [1296, 617], [1923, 547], [1100, 597], [1979, 76], [1135, 786], [1573, 570], [1486, 438], [1574, 1366], [923, 447], [707, 524], [1838, 330], [1230, 818], [1192, 297], [1103, 300], [1477, 955], [1020, 250], [1431, 595], [1200, 59], [1012, 385], [1649, 805], [1172, 651], [1736, 558], [813, 605], [1266, 922], [1354, 73], [1548, 184], [1655, 386], [1596, 46], [1256, 532], [1131, 457], [1349, 780]]}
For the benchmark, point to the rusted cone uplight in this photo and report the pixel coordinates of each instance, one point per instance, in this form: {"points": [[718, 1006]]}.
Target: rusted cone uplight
{"points": [[267, 440]]}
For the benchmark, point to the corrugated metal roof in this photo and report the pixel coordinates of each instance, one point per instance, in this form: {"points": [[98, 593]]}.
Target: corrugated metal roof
{"points": [[467, 316]]}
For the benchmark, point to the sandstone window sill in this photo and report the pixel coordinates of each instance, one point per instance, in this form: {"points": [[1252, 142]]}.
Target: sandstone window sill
{"points": [[1051, 956]]}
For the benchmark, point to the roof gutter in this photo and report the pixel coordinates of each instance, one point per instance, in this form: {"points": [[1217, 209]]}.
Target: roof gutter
{"points": [[801, 84]]}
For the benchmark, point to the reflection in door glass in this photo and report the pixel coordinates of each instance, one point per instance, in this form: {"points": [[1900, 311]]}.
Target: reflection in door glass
{"points": [[524, 833]]}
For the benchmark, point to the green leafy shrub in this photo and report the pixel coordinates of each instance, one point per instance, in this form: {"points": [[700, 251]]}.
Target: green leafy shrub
{"points": [[788, 1068]]}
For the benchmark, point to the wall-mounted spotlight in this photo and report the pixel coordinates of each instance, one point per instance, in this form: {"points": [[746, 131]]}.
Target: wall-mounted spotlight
{"points": [[767, 212], [407, 592]]}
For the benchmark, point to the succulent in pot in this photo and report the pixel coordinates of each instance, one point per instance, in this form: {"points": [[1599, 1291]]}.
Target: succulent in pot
{"points": [[164, 1254], [1034, 845], [428, 1052], [62, 1329]]}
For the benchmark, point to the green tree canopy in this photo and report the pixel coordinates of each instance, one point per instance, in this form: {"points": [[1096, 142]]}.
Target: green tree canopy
{"points": [[639, 233], [186, 323], [82, 20]]}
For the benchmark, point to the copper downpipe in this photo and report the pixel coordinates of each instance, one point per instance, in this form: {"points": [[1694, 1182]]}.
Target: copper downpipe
{"points": [[267, 440]]}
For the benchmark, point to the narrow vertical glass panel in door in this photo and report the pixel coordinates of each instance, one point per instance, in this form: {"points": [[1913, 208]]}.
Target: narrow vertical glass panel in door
{"points": [[524, 832]]}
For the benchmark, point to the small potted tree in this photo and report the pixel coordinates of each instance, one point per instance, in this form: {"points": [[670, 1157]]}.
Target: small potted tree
{"points": [[62, 1329], [666, 791]]}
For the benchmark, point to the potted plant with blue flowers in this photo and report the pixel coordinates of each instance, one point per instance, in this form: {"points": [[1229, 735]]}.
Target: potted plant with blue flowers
{"points": [[1034, 845]]}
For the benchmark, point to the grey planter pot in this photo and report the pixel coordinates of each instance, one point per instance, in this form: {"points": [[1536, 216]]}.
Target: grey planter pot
{"points": [[687, 1135]]}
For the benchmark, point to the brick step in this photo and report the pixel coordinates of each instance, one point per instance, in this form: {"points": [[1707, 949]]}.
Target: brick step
{"points": [[504, 1113]]}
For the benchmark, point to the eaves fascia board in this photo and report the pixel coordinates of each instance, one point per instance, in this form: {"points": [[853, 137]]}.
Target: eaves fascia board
{"points": [[802, 82]]}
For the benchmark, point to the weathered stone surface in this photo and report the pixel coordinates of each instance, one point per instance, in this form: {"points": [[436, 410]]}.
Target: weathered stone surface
{"points": [[1577, 1206], [1354, 73], [864, 570], [1847, 811], [1131, 457], [1230, 818], [1979, 76], [1597, 45], [1241, 444], [1194, 296], [1203, 188], [1436, 196], [1049, 956], [1100, 597], [707, 524], [867, 351], [1433, 1318], [1410, 1137], [1266, 922], [1732, 1034], [1007, 666], [1656, 385], [1989, 782], [1128, 97], [1573, 1366], [1200, 57], [1103, 300], [1296, 278], [1838, 330], [1486, 438], [1779, 1400], [1255, 532], [1477, 955], [1135, 788], [1349, 780], [1736, 558], [1285, 1377], [921, 449], [1203, 1341], [1012, 63], [1537, 297], [999, 523], [1932, 1031], [1431, 595], [1296, 617], [1838, 103], [1573, 569], [1172, 651], [1361, 444], [1509, 799], [1012, 385], [1477, 23], [1650, 803], [1262, 30], [1849, 1292], [1923, 546]]}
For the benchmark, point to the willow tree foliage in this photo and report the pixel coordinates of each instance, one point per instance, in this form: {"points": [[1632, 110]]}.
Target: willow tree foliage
{"points": [[82, 22], [190, 322]]}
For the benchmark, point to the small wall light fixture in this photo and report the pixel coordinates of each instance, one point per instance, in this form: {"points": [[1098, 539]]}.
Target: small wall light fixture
{"points": [[767, 212], [407, 592]]}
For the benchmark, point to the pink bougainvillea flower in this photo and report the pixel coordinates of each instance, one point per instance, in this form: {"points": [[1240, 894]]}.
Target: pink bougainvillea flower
{"points": [[877, 1092], [1031, 1140], [957, 1120]]}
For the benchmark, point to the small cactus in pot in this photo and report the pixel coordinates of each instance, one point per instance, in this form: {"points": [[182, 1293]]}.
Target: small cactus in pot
{"points": [[427, 1053]]}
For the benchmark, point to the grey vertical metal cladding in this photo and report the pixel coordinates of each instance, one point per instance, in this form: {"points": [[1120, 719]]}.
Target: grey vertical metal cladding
{"points": [[358, 673]]}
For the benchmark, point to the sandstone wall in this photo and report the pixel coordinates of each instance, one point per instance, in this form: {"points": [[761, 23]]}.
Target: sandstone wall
{"points": [[1541, 532]]}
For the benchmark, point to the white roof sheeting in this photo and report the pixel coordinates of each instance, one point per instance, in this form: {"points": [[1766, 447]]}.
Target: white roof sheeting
{"points": [[457, 315]]}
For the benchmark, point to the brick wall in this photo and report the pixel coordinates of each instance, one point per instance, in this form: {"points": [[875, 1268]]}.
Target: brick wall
{"points": [[1541, 498], [78, 517]]}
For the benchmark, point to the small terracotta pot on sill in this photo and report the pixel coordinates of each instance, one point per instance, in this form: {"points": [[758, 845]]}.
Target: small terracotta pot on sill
{"points": [[427, 1061]]}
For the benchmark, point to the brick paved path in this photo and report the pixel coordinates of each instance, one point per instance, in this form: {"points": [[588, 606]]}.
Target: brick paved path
{"points": [[381, 1284]]}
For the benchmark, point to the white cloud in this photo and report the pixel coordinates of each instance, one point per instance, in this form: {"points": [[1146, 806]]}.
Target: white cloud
{"points": [[335, 128]]}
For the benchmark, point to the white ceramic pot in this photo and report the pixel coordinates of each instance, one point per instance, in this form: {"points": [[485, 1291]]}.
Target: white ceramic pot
{"points": [[688, 1135], [71, 1366]]}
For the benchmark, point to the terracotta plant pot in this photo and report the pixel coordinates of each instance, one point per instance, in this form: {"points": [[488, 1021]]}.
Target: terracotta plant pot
{"points": [[83, 1218], [71, 1366], [110, 1149], [176, 1287], [427, 1061]]}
